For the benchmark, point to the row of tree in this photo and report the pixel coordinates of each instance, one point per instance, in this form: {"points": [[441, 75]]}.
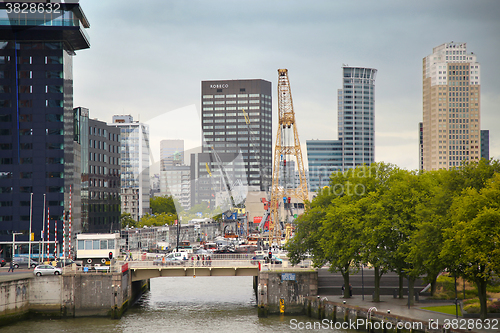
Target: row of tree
{"points": [[165, 210], [417, 224]]}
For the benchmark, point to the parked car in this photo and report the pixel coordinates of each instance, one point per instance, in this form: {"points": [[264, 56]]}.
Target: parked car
{"points": [[2, 262], [275, 261], [64, 262], [47, 270], [256, 259], [260, 257], [23, 261], [167, 261]]}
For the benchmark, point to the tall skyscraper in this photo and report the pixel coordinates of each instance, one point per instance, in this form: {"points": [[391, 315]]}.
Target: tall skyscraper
{"points": [[451, 107], [39, 155], [356, 128], [237, 117], [134, 161]]}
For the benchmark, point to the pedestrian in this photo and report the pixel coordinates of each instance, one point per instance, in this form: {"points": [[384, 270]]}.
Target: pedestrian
{"points": [[11, 266], [203, 260], [343, 289], [131, 256], [209, 259]]}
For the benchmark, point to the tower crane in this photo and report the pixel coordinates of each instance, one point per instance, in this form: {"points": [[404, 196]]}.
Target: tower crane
{"points": [[287, 146]]}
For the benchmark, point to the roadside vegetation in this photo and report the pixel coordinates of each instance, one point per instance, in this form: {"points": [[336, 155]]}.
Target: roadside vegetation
{"points": [[417, 224]]}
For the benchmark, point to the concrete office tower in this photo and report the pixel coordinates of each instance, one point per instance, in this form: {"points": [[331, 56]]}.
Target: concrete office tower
{"points": [[225, 128], [451, 107], [356, 128], [100, 161], [38, 153], [171, 151], [134, 160]]}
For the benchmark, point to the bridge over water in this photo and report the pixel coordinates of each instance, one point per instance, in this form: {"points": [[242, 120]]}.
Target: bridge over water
{"points": [[142, 270]]}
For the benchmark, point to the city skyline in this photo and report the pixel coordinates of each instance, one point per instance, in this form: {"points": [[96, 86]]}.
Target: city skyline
{"points": [[151, 56]]}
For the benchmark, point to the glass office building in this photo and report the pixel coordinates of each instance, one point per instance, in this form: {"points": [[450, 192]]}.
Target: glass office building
{"points": [[134, 161], [356, 128], [38, 151]]}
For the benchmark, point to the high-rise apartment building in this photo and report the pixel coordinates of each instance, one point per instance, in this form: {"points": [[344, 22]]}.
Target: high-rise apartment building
{"points": [[39, 156], [356, 128], [237, 118], [175, 181], [451, 107], [134, 161]]}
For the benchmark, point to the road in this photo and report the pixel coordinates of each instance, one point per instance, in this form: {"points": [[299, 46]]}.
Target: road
{"points": [[19, 273]]}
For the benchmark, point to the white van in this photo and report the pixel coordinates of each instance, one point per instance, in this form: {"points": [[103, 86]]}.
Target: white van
{"points": [[177, 256]]}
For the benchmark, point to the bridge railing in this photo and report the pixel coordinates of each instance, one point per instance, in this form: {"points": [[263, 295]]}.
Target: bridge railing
{"points": [[193, 263], [234, 263]]}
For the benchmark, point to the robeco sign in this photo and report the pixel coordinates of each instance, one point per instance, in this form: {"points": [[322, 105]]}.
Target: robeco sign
{"points": [[219, 85]]}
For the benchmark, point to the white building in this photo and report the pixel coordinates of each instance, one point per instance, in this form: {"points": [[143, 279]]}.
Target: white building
{"points": [[171, 152], [134, 161], [175, 181]]}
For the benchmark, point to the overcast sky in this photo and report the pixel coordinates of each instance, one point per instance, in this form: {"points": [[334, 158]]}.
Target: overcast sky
{"points": [[148, 58]]}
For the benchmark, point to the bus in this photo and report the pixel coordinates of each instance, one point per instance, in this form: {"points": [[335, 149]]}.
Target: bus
{"points": [[95, 248]]}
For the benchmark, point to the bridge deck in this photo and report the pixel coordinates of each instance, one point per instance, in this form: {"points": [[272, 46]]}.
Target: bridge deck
{"points": [[142, 270]]}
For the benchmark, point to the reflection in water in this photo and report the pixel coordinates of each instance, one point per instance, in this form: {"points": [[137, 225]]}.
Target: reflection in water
{"points": [[179, 304]]}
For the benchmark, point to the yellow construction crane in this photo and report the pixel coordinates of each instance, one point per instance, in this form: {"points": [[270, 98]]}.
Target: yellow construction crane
{"points": [[287, 146]]}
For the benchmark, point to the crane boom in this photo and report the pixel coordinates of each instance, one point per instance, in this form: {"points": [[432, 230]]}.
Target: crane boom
{"points": [[287, 144]]}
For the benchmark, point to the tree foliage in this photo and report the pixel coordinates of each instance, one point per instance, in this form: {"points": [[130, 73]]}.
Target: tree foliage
{"points": [[415, 224], [165, 205], [126, 220], [157, 220]]}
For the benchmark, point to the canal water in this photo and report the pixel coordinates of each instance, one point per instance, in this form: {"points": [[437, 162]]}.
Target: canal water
{"points": [[182, 304]]}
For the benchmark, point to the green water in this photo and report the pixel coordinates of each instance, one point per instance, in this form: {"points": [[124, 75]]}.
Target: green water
{"points": [[181, 304]]}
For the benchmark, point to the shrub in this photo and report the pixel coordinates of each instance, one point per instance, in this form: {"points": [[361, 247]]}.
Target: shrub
{"points": [[472, 308], [494, 307], [446, 282], [471, 301]]}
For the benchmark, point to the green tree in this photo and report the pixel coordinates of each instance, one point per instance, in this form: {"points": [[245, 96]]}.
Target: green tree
{"points": [[432, 219], [471, 246], [164, 204], [126, 220], [157, 220]]}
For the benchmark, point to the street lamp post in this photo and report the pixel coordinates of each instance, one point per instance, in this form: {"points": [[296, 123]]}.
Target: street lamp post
{"points": [[362, 283], [31, 219], [43, 230], [456, 296]]}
